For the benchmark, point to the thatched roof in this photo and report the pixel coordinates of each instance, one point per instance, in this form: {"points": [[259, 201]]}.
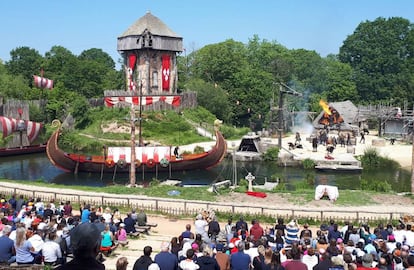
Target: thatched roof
{"points": [[346, 109], [151, 23]]}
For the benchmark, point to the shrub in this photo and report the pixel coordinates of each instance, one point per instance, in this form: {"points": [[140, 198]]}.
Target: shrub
{"points": [[378, 186], [271, 154], [302, 185], [308, 164], [154, 182], [280, 187], [373, 160], [370, 159]]}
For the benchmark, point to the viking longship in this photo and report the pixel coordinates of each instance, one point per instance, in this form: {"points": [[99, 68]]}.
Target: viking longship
{"points": [[25, 132], [148, 158]]}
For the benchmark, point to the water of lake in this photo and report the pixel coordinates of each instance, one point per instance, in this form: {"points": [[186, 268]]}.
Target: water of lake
{"points": [[38, 167]]}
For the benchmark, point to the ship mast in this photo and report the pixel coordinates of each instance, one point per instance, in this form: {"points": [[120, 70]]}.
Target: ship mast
{"points": [[132, 179], [283, 89]]}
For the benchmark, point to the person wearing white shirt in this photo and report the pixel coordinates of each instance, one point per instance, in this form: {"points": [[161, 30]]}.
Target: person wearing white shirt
{"points": [[51, 251], [409, 236], [37, 242], [344, 229], [200, 226], [399, 234], [310, 258], [29, 219], [52, 205], [107, 216], [39, 204]]}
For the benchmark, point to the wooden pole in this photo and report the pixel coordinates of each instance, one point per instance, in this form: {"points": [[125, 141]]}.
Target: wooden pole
{"points": [[412, 164], [280, 117], [140, 116], [132, 168], [132, 179]]}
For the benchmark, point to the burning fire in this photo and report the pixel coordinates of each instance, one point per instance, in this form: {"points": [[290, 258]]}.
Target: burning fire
{"points": [[325, 107], [331, 116]]}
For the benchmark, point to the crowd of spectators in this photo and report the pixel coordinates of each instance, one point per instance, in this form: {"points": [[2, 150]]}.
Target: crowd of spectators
{"points": [[37, 232], [243, 246]]}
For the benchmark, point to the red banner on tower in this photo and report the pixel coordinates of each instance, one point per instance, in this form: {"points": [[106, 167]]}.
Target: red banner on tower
{"points": [[132, 59], [166, 72]]}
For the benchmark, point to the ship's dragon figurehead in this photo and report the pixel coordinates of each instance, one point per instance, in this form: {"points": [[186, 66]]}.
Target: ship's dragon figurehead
{"points": [[217, 124]]}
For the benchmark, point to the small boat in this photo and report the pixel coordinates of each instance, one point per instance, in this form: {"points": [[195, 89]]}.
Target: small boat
{"points": [[24, 150], [25, 133], [339, 168], [149, 159]]}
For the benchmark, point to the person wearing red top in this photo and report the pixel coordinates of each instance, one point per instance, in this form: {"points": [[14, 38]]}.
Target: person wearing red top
{"points": [[67, 209], [295, 263], [256, 230], [233, 243]]}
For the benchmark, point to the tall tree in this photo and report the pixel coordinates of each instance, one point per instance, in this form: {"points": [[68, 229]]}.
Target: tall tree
{"points": [[212, 97], [379, 52], [310, 69], [271, 57], [64, 66], [98, 55], [222, 65], [14, 86], [25, 62], [219, 63], [100, 74], [340, 86]]}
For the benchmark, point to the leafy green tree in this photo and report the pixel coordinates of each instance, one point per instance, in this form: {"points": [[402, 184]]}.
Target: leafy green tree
{"points": [[99, 73], [183, 71], [379, 53], [99, 56], [24, 62], [270, 57], [213, 98], [13, 86], [91, 82], [339, 81], [64, 67], [310, 69], [219, 63], [269, 63], [79, 108], [58, 102], [114, 79]]}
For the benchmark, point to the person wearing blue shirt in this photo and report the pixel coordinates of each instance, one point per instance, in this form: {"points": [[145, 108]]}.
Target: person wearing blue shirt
{"points": [[165, 259], [85, 214], [240, 260], [7, 251]]}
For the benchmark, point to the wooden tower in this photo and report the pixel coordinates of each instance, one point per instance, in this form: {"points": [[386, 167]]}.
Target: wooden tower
{"points": [[149, 49]]}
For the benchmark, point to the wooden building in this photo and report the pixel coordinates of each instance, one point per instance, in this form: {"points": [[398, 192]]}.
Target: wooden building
{"points": [[149, 49], [341, 116]]}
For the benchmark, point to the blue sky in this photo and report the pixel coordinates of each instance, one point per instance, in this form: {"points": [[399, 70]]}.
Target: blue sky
{"points": [[320, 25]]}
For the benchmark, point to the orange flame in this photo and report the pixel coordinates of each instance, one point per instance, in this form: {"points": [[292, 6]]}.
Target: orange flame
{"points": [[325, 107]]}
